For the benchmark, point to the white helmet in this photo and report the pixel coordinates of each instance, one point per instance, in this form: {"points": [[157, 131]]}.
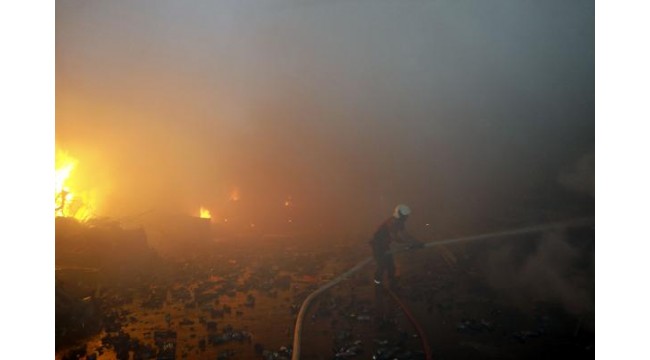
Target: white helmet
{"points": [[401, 210]]}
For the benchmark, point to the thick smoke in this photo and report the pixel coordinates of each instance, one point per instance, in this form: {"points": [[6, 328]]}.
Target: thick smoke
{"points": [[462, 110], [581, 177], [554, 270]]}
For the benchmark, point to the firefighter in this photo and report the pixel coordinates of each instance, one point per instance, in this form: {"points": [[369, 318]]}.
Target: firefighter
{"points": [[392, 229]]}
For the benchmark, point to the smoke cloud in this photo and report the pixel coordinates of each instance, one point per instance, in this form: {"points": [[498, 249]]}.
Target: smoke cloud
{"points": [[581, 177], [459, 109], [555, 270]]}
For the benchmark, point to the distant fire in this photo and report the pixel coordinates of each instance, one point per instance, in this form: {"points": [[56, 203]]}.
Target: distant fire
{"points": [[204, 213], [69, 200]]}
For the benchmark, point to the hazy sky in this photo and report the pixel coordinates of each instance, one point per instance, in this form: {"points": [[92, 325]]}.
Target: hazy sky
{"points": [[349, 107]]}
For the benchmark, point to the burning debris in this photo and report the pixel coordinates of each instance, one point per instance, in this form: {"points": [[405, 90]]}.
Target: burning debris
{"points": [[204, 213], [69, 199]]}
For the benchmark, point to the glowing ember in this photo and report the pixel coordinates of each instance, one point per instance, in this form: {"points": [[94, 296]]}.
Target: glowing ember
{"points": [[69, 201], [204, 213]]}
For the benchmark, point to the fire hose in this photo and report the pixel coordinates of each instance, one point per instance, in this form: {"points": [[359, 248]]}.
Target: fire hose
{"points": [[414, 322], [297, 333]]}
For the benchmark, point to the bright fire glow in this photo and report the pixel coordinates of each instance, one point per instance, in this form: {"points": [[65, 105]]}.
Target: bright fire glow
{"points": [[69, 200], [204, 213]]}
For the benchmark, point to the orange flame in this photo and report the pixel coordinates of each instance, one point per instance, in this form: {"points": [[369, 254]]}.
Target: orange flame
{"points": [[69, 201], [204, 213]]}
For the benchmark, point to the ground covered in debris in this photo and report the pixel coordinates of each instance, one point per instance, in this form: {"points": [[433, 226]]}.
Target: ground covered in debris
{"points": [[230, 299], [521, 297]]}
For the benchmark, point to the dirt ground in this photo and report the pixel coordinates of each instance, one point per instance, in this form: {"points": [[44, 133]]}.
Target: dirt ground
{"points": [[520, 297], [523, 297]]}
